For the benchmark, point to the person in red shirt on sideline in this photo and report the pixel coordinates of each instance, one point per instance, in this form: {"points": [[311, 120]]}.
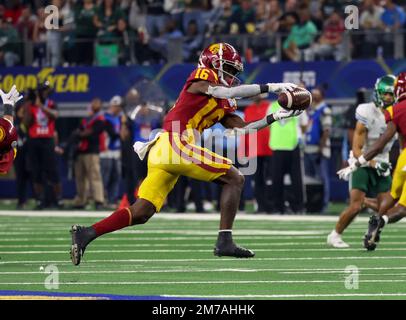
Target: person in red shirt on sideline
{"points": [[254, 112], [40, 120], [8, 133]]}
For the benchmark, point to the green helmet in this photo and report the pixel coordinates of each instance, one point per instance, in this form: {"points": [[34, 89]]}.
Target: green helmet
{"points": [[385, 84]]}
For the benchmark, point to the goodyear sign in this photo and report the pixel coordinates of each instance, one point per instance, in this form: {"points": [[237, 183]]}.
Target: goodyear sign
{"points": [[61, 82], [76, 84]]}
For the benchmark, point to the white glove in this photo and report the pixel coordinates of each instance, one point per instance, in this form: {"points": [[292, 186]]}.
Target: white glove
{"points": [[12, 97], [284, 114], [279, 87], [345, 173]]}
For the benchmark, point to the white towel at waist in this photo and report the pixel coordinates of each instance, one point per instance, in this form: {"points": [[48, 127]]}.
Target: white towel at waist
{"points": [[142, 148]]}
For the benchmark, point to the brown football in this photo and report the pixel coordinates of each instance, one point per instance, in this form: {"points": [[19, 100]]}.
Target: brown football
{"points": [[296, 99]]}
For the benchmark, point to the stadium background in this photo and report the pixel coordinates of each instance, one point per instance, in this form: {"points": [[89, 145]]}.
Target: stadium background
{"points": [[154, 45]]}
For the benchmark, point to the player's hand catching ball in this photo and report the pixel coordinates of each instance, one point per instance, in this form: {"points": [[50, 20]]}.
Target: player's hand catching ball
{"points": [[280, 87], [285, 114]]}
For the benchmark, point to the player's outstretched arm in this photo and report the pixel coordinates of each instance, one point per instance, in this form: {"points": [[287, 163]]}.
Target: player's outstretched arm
{"points": [[238, 92], [9, 100], [237, 127]]}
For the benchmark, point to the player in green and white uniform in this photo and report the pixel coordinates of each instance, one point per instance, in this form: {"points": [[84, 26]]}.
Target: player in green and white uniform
{"points": [[373, 178]]}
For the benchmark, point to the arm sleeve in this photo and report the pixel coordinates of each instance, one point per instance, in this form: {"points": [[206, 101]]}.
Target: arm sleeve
{"points": [[243, 91]]}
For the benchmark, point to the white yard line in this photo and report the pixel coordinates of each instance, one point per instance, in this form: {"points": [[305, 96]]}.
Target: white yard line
{"points": [[213, 232], [203, 245], [200, 250], [186, 270], [204, 282], [174, 216], [214, 259]]}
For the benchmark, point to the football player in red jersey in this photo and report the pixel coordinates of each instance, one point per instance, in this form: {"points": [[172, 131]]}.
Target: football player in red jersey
{"points": [[393, 208], [207, 98], [8, 133]]}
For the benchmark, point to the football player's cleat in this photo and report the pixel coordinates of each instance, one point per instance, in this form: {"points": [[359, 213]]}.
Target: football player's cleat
{"points": [[372, 237], [335, 241], [232, 250], [81, 237]]}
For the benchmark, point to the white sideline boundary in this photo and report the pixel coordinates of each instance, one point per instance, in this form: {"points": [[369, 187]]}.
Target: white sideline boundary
{"points": [[178, 216]]}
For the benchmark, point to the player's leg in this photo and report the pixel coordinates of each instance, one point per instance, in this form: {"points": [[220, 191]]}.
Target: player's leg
{"points": [[202, 164], [347, 216], [371, 203], [232, 185], [152, 194], [398, 191]]}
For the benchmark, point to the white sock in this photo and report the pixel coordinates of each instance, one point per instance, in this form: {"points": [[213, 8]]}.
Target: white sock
{"points": [[226, 230], [335, 234], [385, 218]]}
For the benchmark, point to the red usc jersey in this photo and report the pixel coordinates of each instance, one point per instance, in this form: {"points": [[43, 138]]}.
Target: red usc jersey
{"points": [[43, 126], [197, 111], [397, 114]]}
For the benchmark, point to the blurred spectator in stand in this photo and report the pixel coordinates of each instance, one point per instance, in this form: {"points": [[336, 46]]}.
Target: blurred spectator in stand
{"points": [[243, 18], [271, 24], [67, 14], [26, 23], [220, 19], [125, 36], [40, 38], [40, 120], [54, 40], [195, 11], [301, 35], [13, 11], [110, 159], [85, 32], [329, 6], [22, 163], [393, 17], [291, 6], [318, 145], [192, 42], [371, 15], [262, 176], [330, 43], [372, 25], [107, 20], [10, 43], [285, 144], [161, 44], [156, 17]]}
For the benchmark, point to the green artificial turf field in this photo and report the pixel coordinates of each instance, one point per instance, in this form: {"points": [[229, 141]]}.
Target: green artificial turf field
{"points": [[172, 256]]}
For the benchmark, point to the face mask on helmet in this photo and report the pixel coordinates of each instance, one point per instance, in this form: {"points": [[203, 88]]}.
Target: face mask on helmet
{"points": [[230, 73], [384, 93]]}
